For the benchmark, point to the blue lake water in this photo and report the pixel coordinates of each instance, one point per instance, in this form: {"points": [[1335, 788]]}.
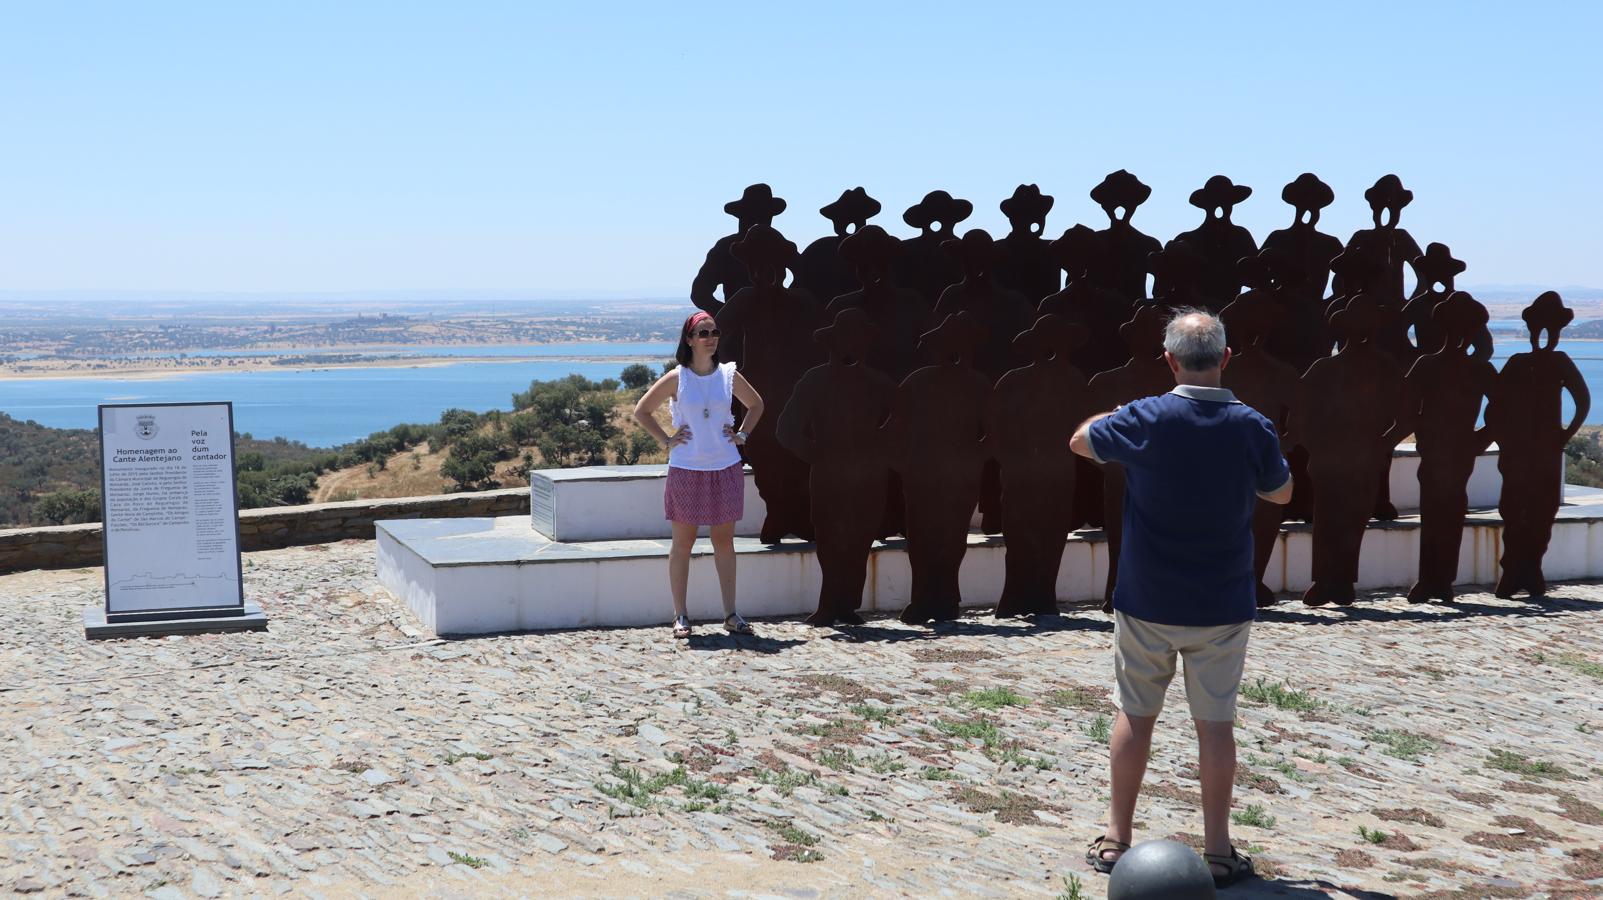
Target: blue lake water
{"points": [[326, 407]]}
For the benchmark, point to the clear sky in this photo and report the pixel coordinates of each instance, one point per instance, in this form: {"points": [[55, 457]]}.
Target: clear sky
{"points": [[587, 149]]}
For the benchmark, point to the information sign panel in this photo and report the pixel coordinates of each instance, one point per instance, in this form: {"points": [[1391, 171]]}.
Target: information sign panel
{"points": [[170, 513]]}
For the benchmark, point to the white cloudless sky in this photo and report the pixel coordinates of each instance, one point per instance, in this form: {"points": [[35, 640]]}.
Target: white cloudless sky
{"points": [[587, 149]]}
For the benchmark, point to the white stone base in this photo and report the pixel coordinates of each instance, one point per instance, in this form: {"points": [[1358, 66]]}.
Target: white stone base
{"points": [[478, 576], [597, 503]]}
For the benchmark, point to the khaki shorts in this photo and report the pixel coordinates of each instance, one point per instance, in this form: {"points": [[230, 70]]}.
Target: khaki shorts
{"points": [[1143, 664]]}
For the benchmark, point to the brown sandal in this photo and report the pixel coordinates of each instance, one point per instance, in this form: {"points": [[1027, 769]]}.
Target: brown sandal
{"points": [[1093, 853], [1237, 866]]}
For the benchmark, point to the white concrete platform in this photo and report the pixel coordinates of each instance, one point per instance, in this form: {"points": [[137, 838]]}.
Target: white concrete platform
{"points": [[598, 503], [479, 576]]}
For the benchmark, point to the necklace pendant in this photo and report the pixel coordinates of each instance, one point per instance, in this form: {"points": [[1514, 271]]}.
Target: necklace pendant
{"points": [[706, 413]]}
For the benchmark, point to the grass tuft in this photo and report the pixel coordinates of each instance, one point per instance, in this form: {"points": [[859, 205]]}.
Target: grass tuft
{"points": [[1254, 815], [994, 698], [1279, 696]]}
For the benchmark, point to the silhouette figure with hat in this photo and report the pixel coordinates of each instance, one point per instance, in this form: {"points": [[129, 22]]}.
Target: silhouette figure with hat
{"points": [[1296, 335], [923, 266], [822, 272], [760, 324], [1434, 272], [835, 421], [1177, 273], [757, 206], [1027, 265], [1218, 241], [1525, 415], [1308, 249], [1268, 385], [939, 421], [1124, 269], [999, 314], [1033, 412], [1386, 197], [899, 316], [1349, 414], [1445, 388], [1100, 312], [1145, 375]]}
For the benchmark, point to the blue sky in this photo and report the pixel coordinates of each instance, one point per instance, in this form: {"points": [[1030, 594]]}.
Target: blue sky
{"points": [[588, 149]]}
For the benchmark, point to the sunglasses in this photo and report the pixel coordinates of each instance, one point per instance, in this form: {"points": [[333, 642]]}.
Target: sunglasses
{"points": [[704, 333]]}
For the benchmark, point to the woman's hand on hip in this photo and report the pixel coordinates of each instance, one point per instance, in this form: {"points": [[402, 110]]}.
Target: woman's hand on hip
{"points": [[733, 436], [681, 436]]}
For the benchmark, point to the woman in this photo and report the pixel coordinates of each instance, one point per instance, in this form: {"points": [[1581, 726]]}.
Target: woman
{"points": [[706, 485]]}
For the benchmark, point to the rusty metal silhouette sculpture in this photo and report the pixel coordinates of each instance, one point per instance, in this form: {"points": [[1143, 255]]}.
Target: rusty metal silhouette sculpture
{"points": [[1218, 242], [1363, 268], [939, 419], [1268, 385], [1297, 336], [1027, 265], [1101, 313], [1307, 250], [1033, 411], [1445, 389], [1434, 272], [1145, 375], [1177, 272], [1349, 414], [835, 421], [999, 314], [822, 272], [1386, 197], [924, 267], [1124, 268], [759, 325], [1525, 416], [757, 206]]}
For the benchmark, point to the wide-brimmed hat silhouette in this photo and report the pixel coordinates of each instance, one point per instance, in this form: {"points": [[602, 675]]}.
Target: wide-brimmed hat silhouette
{"points": [[1460, 315], [1051, 337], [955, 337], [762, 247], [851, 334], [870, 248], [1219, 191], [1027, 204], [757, 202], [1143, 331], [975, 250], [1078, 249], [1548, 312], [853, 206], [1437, 265], [1120, 189], [937, 206], [1388, 193], [1359, 318], [1306, 191]]}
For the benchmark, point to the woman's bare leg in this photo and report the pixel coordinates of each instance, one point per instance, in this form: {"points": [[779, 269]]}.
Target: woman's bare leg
{"points": [[684, 537], [723, 557]]}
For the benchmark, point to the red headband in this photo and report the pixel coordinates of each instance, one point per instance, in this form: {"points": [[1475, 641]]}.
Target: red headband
{"points": [[697, 318]]}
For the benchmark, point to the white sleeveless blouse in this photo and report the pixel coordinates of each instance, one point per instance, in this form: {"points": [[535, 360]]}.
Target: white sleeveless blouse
{"points": [[706, 404]]}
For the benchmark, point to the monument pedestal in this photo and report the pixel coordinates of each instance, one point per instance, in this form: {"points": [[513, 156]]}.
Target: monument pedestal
{"points": [[96, 626]]}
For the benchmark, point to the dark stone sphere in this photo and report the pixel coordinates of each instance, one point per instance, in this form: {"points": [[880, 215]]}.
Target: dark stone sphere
{"points": [[1161, 870]]}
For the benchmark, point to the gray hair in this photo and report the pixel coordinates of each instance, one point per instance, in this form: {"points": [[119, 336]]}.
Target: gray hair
{"points": [[1196, 337]]}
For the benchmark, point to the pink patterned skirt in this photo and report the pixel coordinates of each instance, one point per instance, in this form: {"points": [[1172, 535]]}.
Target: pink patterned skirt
{"points": [[697, 497]]}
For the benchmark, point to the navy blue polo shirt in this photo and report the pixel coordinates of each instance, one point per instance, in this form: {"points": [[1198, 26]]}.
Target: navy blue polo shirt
{"points": [[1195, 461]]}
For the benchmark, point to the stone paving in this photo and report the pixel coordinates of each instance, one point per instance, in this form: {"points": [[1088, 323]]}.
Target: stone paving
{"points": [[1388, 750]]}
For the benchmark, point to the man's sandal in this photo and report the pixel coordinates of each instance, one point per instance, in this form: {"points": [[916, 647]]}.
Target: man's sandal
{"points": [[734, 624], [1237, 866], [1093, 853], [681, 627]]}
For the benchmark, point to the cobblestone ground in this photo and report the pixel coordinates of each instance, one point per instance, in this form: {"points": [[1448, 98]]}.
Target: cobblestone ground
{"points": [[1387, 751]]}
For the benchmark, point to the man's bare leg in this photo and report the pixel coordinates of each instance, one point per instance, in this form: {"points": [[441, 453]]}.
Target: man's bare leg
{"points": [[1216, 758], [1128, 749]]}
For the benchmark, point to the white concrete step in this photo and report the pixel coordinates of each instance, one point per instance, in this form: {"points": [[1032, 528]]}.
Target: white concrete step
{"points": [[479, 576], [598, 503]]}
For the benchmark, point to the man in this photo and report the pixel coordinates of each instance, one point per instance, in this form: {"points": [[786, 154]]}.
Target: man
{"points": [[1194, 460]]}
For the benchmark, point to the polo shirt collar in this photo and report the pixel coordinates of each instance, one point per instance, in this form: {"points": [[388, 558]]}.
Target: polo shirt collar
{"points": [[1197, 392]]}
